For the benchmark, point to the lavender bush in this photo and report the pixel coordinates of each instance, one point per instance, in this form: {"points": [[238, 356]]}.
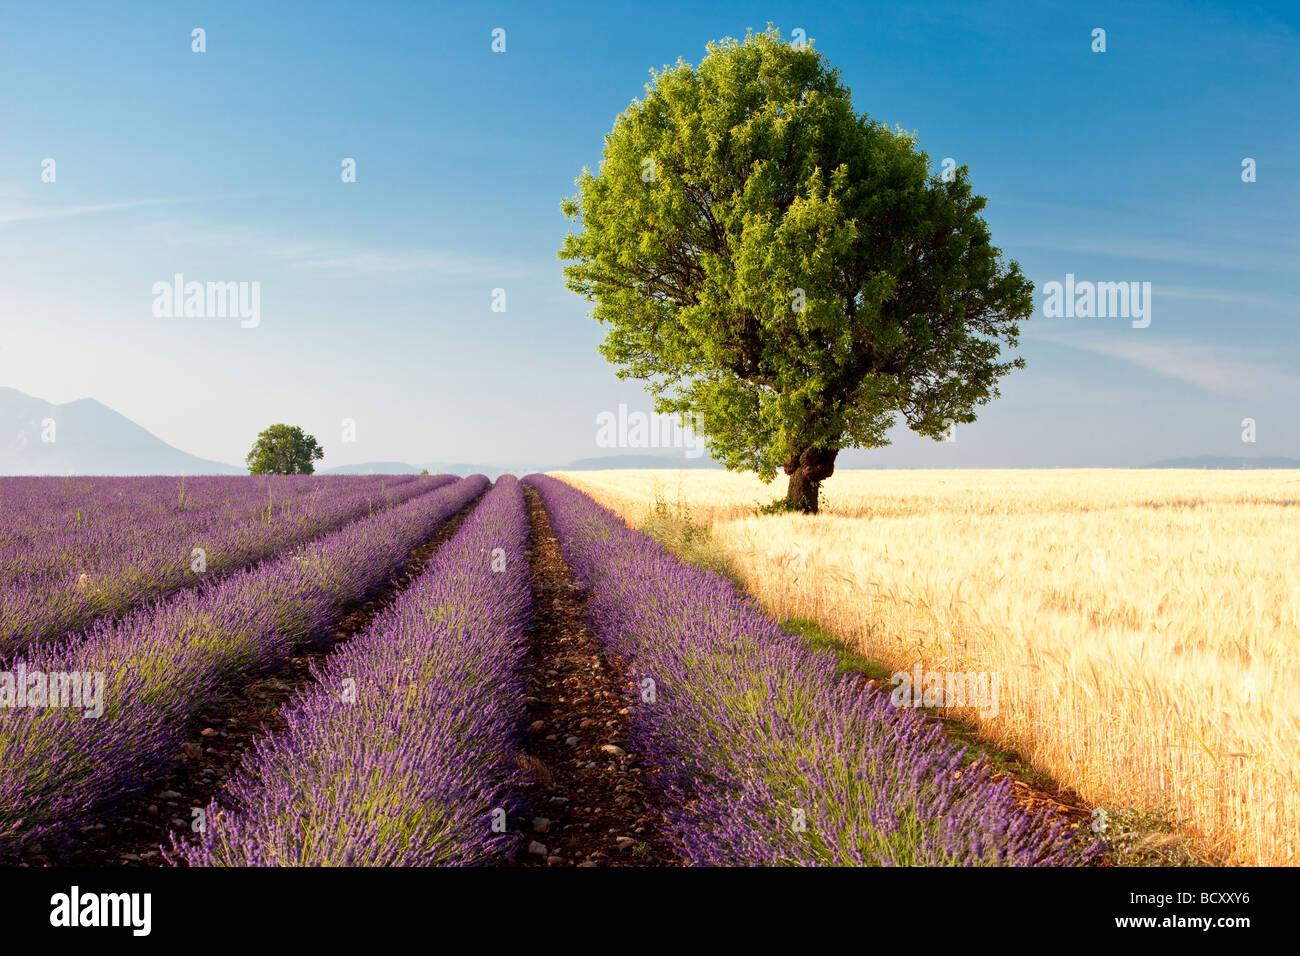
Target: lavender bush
{"points": [[402, 752], [161, 664], [764, 754]]}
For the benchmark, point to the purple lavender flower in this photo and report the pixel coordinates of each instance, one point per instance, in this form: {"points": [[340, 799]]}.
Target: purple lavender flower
{"points": [[162, 663], [403, 751], [76, 549]]}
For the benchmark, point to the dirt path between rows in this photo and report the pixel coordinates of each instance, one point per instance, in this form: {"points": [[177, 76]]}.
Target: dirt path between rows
{"points": [[130, 835], [593, 807]]}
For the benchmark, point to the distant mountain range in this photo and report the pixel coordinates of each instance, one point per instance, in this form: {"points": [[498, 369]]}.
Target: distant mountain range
{"points": [[86, 437], [495, 471], [1227, 461], [434, 468], [372, 468], [637, 461]]}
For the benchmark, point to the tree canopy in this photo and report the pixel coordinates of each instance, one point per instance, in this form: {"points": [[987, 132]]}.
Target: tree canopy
{"points": [[786, 272], [284, 450]]}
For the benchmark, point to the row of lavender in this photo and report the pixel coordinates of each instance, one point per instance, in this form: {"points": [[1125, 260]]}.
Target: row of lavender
{"points": [[402, 753], [765, 755], [65, 526], [138, 681], [110, 564]]}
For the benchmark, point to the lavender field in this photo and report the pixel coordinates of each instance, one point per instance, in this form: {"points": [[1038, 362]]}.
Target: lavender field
{"points": [[835, 442], [72, 550], [436, 671]]}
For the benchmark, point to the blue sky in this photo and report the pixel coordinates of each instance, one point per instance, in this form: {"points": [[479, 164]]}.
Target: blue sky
{"points": [[376, 295]]}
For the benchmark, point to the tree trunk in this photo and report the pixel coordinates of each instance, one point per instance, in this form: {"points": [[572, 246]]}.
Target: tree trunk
{"points": [[807, 471], [802, 493]]}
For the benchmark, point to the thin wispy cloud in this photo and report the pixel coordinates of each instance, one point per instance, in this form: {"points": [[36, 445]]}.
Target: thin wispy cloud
{"points": [[425, 261], [1233, 297], [1180, 233], [1232, 372], [348, 259], [1258, 257], [11, 212]]}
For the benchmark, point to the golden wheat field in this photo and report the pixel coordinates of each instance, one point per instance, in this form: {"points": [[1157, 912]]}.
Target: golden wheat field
{"points": [[1144, 625]]}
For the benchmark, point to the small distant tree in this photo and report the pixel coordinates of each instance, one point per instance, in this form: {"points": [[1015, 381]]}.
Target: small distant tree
{"points": [[284, 450]]}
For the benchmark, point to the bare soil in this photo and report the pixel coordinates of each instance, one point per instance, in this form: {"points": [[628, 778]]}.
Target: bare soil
{"points": [[594, 806]]}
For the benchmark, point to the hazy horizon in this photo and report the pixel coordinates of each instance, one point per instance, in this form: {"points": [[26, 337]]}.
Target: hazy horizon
{"points": [[668, 460]]}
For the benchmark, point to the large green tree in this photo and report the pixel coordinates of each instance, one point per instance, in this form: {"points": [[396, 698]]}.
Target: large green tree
{"points": [[284, 450], [786, 272]]}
